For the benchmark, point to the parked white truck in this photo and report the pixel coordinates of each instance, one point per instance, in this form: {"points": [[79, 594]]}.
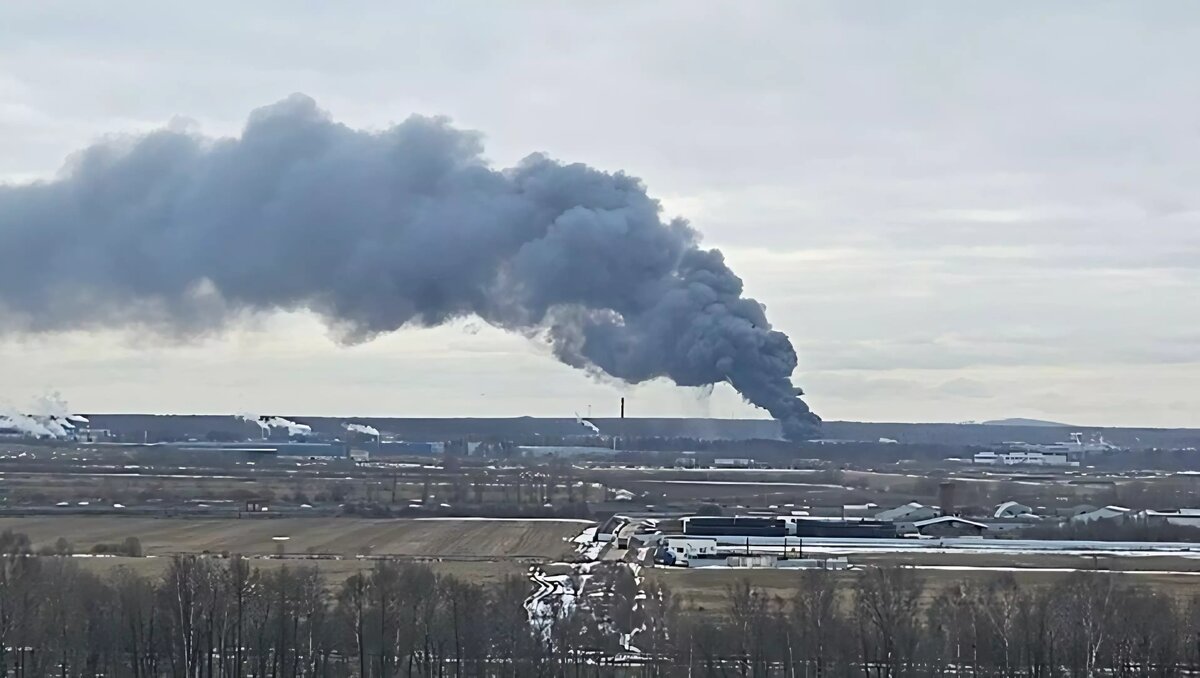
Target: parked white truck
{"points": [[680, 551]]}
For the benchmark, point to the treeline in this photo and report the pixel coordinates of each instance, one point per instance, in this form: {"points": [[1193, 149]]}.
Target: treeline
{"points": [[222, 617], [887, 623], [213, 617]]}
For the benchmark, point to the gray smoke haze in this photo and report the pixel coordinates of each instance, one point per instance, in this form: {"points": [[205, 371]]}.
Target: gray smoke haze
{"points": [[378, 230]]}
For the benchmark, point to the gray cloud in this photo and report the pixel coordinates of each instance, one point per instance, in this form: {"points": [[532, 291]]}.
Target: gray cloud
{"points": [[961, 174], [378, 230]]}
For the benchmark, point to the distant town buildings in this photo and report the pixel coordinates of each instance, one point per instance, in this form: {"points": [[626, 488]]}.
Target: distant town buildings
{"points": [[1024, 458]]}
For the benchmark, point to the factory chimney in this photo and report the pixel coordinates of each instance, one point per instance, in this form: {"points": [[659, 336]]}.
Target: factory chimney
{"points": [[621, 426], [946, 498]]}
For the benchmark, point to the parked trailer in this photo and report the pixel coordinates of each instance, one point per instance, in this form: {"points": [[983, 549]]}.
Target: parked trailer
{"points": [[787, 526], [737, 526], [850, 529]]}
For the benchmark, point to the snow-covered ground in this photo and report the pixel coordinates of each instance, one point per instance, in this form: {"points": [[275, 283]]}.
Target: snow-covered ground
{"points": [[553, 598], [974, 568], [590, 587], [586, 545], [578, 521]]}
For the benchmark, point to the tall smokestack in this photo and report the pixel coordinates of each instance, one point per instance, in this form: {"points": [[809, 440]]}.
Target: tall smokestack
{"points": [[946, 498], [622, 408], [364, 226]]}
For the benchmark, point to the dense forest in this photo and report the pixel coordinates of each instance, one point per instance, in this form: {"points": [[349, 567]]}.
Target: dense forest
{"points": [[210, 616]]}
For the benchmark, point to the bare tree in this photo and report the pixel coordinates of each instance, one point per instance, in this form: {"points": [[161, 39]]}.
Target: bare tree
{"points": [[887, 601], [816, 616], [751, 615], [1087, 617]]}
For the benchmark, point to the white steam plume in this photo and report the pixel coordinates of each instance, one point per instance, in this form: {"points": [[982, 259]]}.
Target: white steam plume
{"points": [[47, 417], [267, 423], [587, 424], [361, 428]]}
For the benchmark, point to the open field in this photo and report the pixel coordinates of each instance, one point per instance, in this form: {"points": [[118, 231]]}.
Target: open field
{"points": [[1001, 561], [335, 571], [188, 504], [429, 538], [978, 489], [706, 590]]}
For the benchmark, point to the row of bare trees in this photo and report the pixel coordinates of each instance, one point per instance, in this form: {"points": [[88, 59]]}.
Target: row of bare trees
{"points": [[215, 617], [221, 617], [890, 622]]}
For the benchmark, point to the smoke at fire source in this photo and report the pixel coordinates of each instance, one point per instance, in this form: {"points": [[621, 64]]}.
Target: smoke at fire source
{"points": [[378, 230]]}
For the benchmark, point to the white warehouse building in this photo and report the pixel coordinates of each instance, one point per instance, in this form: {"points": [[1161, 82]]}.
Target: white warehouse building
{"points": [[1024, 458]]}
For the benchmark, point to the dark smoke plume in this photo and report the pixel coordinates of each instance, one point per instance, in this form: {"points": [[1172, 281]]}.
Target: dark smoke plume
{"points": [[378, 230]]}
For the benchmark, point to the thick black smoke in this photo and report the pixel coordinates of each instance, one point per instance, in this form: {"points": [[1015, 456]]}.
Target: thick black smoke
{"points": [[376, 230]]}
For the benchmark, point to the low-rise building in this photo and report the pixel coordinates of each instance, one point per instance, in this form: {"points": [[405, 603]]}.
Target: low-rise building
{"points": [[1104, 513], [909, 513], [1183, 517], [950, 526], [679, 550], [409, 448], [1012, 509], [733, 463], [1024, 458], [1072, 511], [564, 451]]}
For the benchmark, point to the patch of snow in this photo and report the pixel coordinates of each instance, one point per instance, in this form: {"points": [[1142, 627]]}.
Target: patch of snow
{"points": [[578, 521]]}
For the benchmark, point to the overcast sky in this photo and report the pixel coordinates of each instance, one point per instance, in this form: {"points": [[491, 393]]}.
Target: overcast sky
{"points": [[956, 210]]}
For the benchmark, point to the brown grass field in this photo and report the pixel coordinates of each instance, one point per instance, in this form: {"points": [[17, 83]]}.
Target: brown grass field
{"points": [[707, 590], [335, 571], [489, 550], [450, 538]]}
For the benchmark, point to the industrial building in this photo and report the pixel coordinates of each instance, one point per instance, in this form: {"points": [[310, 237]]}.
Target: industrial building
{"points": [[839, 529], [908, 513], [788, 526], [282, 448], [408, 448], [563, 451], [1024, 458], [950, 526], [1104, 513], [738, 526], [1012, 509], [1184, 517], [739, 463]]}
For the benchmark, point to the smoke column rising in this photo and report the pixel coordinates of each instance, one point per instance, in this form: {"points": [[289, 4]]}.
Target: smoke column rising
{"points": [[49, 416], [378, 230], [361, 428], [266, 423]]}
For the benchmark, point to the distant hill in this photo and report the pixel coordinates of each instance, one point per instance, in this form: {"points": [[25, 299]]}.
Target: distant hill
{"points": [[1018, 421]]}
